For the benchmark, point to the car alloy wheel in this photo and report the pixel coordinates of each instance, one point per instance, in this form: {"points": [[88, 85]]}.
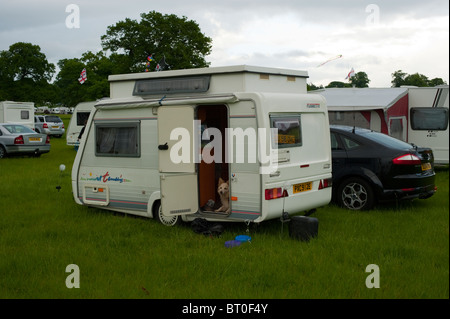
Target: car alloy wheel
{"points": [[356, 194]]}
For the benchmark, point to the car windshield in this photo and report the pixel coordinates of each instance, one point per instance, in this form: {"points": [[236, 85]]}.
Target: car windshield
{"points": [[386, 140], [17, 129], [53, 119]]}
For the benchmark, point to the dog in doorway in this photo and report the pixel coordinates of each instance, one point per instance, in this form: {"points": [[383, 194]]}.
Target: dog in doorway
{"points": [[223, 190]]}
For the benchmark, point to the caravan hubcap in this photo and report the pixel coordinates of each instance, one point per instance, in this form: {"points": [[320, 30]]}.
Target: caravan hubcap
{"points": [[166, 220]]}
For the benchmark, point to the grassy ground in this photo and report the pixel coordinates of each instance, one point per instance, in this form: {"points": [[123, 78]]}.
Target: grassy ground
{"points": [[119, 256]]}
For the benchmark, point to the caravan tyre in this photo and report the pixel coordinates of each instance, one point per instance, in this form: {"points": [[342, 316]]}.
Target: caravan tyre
{"points": [[165, 220]]}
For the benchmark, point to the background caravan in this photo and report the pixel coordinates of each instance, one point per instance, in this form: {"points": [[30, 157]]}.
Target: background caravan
{"points": [[163, 141], [79, 118], [17, 113], [417, 115]]}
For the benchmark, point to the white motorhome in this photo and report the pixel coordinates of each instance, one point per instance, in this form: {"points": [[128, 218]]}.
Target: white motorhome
{"points": [[159, 145], [17, 112], [77, 121]]}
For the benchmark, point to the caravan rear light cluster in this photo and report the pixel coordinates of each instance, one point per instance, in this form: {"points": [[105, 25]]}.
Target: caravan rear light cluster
{"points": [[408, 159], [274, 193], [19, 140], [324, 183]]}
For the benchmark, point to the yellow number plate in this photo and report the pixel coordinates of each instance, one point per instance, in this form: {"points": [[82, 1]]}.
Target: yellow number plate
{"points": [[34, 139], [286, 139], [426, 166], [303, 187]]}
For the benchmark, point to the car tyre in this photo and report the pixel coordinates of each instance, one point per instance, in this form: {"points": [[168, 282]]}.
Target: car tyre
{"points": [[356, 194], [2, 152], [165, 220]]}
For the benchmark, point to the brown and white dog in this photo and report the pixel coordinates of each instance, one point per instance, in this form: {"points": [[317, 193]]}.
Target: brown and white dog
{"points": [[223, 190]]}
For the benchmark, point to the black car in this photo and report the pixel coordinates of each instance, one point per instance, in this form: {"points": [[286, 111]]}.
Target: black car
{"points": [[370, 167]]}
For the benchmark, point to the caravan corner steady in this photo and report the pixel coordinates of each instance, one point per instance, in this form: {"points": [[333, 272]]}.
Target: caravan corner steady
{"points": [[159, 145]]}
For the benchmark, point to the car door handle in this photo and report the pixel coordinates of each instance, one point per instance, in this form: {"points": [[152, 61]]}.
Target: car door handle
{"points": [[163, 147]]}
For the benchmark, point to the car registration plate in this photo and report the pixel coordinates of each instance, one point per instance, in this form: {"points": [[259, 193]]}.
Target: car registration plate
{"points": [[34, 139], [55, 127], [302, 187], [426, 166]]}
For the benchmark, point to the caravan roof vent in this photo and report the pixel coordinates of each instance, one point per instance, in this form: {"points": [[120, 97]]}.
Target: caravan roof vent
{"points": [[189, 84]]}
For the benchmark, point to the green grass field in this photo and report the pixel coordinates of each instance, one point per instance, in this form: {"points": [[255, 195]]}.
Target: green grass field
{"points": [[42, 231]]}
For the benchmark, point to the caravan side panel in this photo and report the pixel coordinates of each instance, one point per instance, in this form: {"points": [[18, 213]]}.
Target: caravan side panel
{"points": [[110, 179]]}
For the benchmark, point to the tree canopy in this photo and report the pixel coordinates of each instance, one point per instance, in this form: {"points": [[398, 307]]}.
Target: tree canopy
{"points": [[400, 78], [176, 39], [25, 74]]}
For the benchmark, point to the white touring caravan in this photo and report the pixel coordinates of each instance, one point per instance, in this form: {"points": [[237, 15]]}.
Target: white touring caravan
{"points": [[77, 121], [159, 146], [17, 112]]}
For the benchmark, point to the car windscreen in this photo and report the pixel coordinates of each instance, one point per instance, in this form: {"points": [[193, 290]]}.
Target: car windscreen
{"points": [[386, 140], [54, 119]]}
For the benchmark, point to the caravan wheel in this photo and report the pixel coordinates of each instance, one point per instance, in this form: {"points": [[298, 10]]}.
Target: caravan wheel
{"points": [[168, 221]]}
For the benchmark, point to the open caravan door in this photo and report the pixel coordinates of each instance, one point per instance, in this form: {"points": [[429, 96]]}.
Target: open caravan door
{"points": [[178, 176]]}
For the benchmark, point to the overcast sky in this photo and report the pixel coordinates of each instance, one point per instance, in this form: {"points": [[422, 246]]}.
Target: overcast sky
{"points": [[375, 36]]}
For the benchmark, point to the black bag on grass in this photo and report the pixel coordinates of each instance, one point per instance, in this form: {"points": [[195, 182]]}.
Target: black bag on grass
{"points": [[202, 226]]}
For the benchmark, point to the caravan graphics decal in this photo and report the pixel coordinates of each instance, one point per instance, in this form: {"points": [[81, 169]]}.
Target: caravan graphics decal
{"points": [[105, 178]]}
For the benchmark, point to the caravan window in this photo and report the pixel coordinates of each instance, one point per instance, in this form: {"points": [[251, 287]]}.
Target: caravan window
{"points": [[24, 115], [82, 118], [117, 139], [429, 118], [289, 130]]}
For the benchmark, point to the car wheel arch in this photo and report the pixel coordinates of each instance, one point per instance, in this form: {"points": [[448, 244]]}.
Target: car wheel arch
{"points": [[359, 172]]}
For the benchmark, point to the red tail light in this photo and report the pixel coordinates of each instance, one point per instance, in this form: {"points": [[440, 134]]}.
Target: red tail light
{"points": [[19, 140], [274, 193], [45, 125], [47, 140], [62, 126], [408, 159], [324, 183]]}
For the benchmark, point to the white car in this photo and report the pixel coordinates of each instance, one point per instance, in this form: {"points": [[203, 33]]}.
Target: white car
{"points": [[49, 124]]}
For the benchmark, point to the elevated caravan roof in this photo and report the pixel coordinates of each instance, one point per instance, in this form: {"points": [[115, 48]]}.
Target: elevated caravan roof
{"points": [[362, 99], [216, 80]]}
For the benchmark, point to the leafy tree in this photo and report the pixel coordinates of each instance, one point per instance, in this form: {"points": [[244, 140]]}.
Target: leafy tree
{"points": [[417, 79], [360, 80], [25, 74], [312, 87], [436, 81], [338, 84], [179, 40], [98, 68], [400, 78]]}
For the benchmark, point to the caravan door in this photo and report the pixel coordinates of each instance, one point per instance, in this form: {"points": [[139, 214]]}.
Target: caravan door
{"points": [[178, 176]]}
